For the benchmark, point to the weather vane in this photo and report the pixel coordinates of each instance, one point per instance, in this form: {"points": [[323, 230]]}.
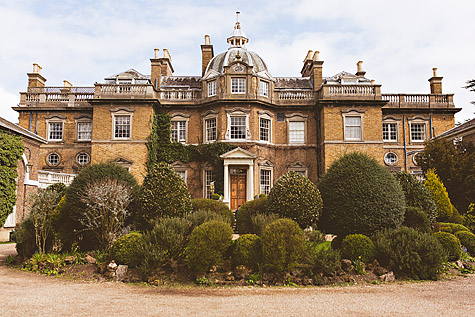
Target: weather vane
{"points": [[237, 16]]}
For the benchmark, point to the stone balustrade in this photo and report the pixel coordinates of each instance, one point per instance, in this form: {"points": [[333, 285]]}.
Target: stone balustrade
{"points": [[124, 91], [67, 96], [419, 100], [46, 178]]}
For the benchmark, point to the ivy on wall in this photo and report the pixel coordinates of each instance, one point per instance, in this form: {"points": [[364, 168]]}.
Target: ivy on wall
{"points": [[11, 150], [162, 149]]}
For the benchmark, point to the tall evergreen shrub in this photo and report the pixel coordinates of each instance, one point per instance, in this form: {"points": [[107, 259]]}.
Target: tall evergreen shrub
{"points": [[439, 195]]}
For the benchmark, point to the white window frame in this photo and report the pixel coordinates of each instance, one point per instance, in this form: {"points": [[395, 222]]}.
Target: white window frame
{"points": [[208, 136], [51, 121], [391, 124], [80, 122], [424, 130], [88, 158], [180, 117], [353, 114], [183, 172], [296, 117], [388, 161], [122, 113], [262, 189], [206, 184], [265, 115], [48, 161], [238, 113], [264, 88], [212, 88], [238, 85]]}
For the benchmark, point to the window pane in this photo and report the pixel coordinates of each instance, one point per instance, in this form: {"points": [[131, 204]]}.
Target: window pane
{"points": [[353, 128], [296, 132], [212, 88], [122, 127], [264, 130], [55, 131], [211, 129], [265, 181], [417, 131], [238, 128], [238, 85], [178, 131], [84, 130], [264, 88], [389, 132], [209, 179]]}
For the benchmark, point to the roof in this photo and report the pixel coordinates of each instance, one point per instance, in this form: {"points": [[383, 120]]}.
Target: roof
{"points": [[181, 81], [345, 77], [131, 73], [470, 124], [237, 54], [293, 83], [7, 125]]}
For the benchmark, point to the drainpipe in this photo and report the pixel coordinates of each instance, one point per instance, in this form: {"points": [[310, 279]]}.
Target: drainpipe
{"points": [[36, 120], [431, 127], [404, 139]]}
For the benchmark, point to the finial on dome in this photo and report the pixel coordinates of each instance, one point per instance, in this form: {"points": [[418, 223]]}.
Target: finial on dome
{"points": [[237, 16], [238, 37]]}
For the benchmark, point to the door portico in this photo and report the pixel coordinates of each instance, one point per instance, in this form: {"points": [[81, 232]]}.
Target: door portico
{"points": [[238, 166]]}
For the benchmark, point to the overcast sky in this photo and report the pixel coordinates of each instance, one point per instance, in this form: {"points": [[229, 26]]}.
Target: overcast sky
{"points": [[84, 41]]}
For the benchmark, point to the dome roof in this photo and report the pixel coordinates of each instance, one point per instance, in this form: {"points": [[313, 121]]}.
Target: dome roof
{"points": [[237, 54]]}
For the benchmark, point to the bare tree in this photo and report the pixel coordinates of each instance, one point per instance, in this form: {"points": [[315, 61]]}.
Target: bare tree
{"points": [[106, 209]]}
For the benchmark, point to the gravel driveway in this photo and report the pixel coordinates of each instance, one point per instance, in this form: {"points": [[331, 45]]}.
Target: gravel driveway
{"points": [[27, 294]]}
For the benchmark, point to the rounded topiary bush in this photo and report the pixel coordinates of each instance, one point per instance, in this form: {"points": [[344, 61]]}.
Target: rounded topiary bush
{"points": [[452, 227], [247, 211], [416, 218], [467, 239], [208, 243], [127, 250], [163, 194], [439, 195], [71, 230], [451, 245], [215, 206], [409, 252], [360, 196], [358, 246], [247, 251], [283, 245], [296, 197], [417, 195]]}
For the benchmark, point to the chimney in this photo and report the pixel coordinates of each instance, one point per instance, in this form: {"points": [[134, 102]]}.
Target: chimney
{"points": [[156, 70], [166, 63], [207, 54], [67, 84], [435, 83], [360, 72], [307, 64], [35, 79], [313, 68]]}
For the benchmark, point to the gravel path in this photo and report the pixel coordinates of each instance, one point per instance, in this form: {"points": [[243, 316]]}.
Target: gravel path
{"points": [[26, 294]]}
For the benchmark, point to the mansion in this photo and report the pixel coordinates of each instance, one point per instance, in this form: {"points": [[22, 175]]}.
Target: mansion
{"points": [[277, 123]]}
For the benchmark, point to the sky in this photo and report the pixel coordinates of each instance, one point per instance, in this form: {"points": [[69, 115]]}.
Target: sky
{"points": [[84, 41]]}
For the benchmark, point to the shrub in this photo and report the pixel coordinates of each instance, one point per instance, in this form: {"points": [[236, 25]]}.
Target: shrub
{"points": [[25, 238], [247, 211], [215, 206], [417, 219], [409, 252], [355, 246], [315, 237], [469, 218], [208, 243], [452, 227], [456, 216], [360, 196], [323, 260], [451, 245], [337, 241], [439, 195], [127, 249], [163, 194], [247, 251], [296, 197], [60, 188], [201, 216], [417, 195], [467, 239], [283, 245], [260, 222], [71, 230]]}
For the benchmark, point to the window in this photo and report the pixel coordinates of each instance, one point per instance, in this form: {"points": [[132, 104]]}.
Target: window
{"points": [[296, 132], [53, 159], [122, 127], [238, 128], [212, 88], [264, 129], [390, 132], [265, 181], [209, 184], [418, 133], [210, 129], [182, 175], [178, 131], [55, 131], [82, 158], [352, 127], [264, 88], [390, 158], [84, 131], [238, 85]]}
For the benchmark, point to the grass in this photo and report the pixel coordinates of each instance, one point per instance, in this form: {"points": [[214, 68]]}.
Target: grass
{"points": [[6, 242]]}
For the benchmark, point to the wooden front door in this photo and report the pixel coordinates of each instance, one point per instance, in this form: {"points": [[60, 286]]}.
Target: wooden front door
{"points": [[238, 188]]}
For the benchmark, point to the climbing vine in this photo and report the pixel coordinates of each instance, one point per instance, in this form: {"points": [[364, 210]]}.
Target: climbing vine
{"points": [[162, 149], [11, 149]]}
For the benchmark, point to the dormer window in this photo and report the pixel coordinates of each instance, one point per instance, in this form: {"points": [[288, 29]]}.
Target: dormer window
{"points": [[238, 85]]}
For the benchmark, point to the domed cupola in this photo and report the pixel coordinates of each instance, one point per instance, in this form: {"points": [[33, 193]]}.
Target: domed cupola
{"points": [[237, 53]]}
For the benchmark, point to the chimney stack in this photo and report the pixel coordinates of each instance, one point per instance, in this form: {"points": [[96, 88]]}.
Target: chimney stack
{"points": [[156, 70], [67, 84], [313, 68], [360, 72], [35, 79], [166, 63], [207, 54], [435, 83]]}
